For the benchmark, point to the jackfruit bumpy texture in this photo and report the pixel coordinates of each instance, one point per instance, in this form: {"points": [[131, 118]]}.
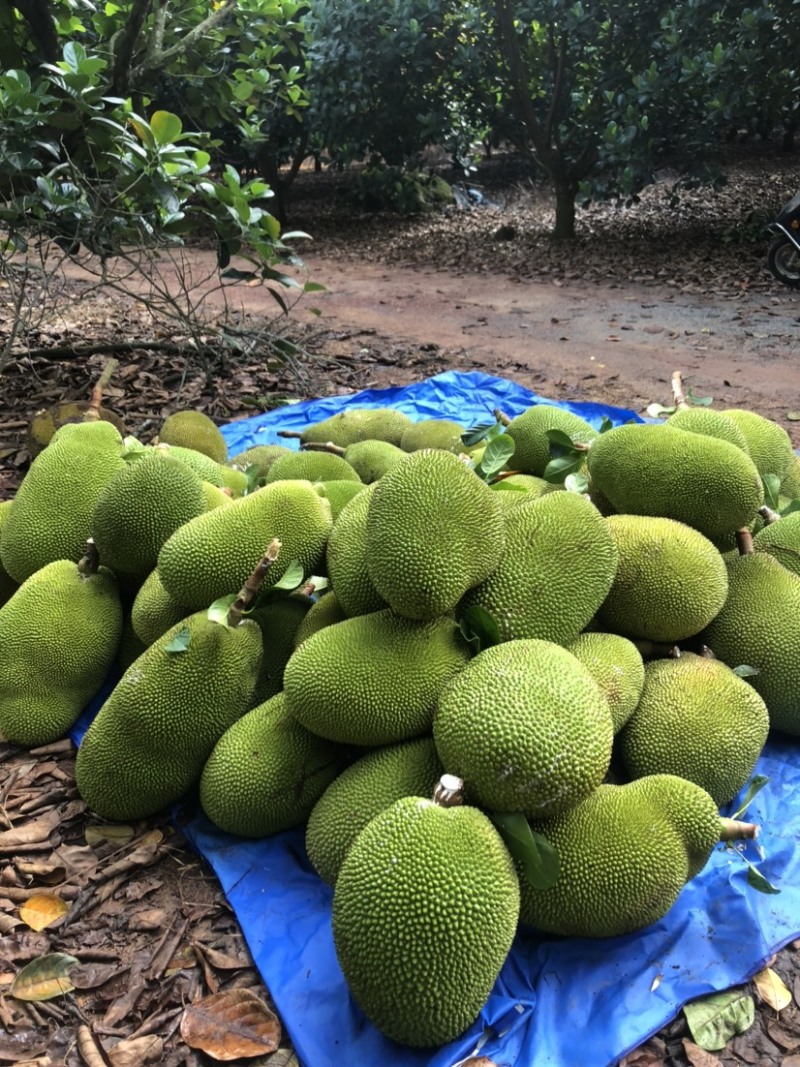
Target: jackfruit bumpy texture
{"points": [[709, 423], [424, 912], [59, 635], [373, 680], [150, 740], [768, 443], [558, 566], [790, 485], [193, 429], [625, 853], [657, 470], [213, 555], [311, 467], [260, 456], [616, 665], [372, 783], [154, 611], [324, 612], [760, 626], [338, 493], [434, 530], [782, 540], [143, 505], [529, 433], [358, 424], [433, 433], [52, 514], [698, 720], [7, 584], [670, 581], [346, 556], [527, 728], [372, 459], [279, 617], [267, 772]]}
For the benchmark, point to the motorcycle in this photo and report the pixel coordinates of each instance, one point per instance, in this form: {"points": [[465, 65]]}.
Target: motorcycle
{"points": [[783, 256]]}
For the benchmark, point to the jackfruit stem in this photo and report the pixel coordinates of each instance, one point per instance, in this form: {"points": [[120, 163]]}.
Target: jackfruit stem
{"points": [[734, 830], [501, 417], [768, 515], [319, 446], [449, 791], [656, 649], [681, 403], [95, 401], [744, 542], [249, 590], [706, 652], [290, 433], [90, 560]]}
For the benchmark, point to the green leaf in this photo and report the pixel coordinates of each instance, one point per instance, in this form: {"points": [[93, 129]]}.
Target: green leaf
{"points": [[476, 433], [479, 628], [166, 127], [576, 483], [180, 642], [218, 612], [744, 670], [496, 455], [772, 490], [658, 411], [757, 783], [292, 576], [757, 881], [315, 287], [537, 857], [558, 469], [793, 505], [605, 424], [560, 442], [44, 978], [506, 485], [714, 1020], [699, 401]]}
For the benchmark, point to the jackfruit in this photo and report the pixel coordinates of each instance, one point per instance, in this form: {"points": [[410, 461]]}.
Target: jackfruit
{"points": [[267, 772], [143, 505], [357, 424], [372, 459], [760, 626], [346, 557], [527, 728], [193, 429], [709, 423], [625, 853], [558, 566], [658, 470], [670, 581], [154, 611], [698, 720], [59, 634], [373, 680], [433, 433], [207, 469], [52, 514], [214, 496], [782, 540], [508, 489], [151, 738], [311, 467], [261, 456], [790, 485], [529, 433], [338, 493], [325, 612], [47, 421], [424, 912], [616, 665], [278, 617], [213, 554], [371, 784], [434, 530], [7, 584], [768, 443]]}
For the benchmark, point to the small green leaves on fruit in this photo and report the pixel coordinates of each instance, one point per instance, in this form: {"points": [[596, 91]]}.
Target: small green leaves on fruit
{"points": [[757, 783], [793, 505], [496, 455], [181, 641], [715, 1019], [557, 470], [757, 881], [576, 483], [292, 576], [605, 424], [534, 853], [479, 628], [218, 612], [477, 433], [772, 490], [560, 442], [744, 670]]}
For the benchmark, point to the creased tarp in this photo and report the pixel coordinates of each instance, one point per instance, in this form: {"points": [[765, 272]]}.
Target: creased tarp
{"points": [[561, 1003]]}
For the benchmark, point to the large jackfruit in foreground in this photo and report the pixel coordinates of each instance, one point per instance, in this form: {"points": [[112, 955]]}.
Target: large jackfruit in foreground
{"points": [[346, 557], [434, 530], [662, 471], [527, 728], [709, 423], [150, 740], [373, 680], [59, 634], [424, 912]]}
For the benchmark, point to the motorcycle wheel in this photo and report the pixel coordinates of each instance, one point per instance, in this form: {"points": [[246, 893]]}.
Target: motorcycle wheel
{"points": [[783, 260]]}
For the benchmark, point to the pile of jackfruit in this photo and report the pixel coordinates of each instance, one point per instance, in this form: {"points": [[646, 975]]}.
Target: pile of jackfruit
{"points": [[503, 674]]}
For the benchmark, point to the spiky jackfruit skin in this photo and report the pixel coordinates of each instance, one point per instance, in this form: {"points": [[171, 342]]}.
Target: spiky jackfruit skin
{"points": [[143, 505], [372, 459], [509, 489], [709, 423], [213, 555], [671, 581], [424, 912], [529, 432], [338, 493], [768, 443], [375, 679], [218, 474], [346, 558], [433, 433], [59, 635], [267, 772], [790, 485], [214, 496], [193, 429], [661, 471], [434, 530], [325, 612], [260, 456], [527, 728], [52, 514], [782, 540], [372, 783], [150, 740], [154, 611], [358, 424], [616, 665], [7, 584], [279, 617], [625, 853], [311, 467], [558, 566], [760, 626], [698, 720]]}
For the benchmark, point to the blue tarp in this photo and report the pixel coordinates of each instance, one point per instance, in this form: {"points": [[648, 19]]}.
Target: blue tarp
{"points": [[557, 1002]]}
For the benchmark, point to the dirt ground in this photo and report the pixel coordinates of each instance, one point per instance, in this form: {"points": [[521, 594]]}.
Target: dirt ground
{"points": [[608, 320]]}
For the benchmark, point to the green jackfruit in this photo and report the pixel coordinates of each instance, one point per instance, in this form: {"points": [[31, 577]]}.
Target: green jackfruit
{"points": [[698, 720], [782, 540], [657, 470], [52, 514], [371, 784], [358, 424], [267, 772], [260, 456], [193, 429], [151, 738], [279, 617], [527, 728], [433, 433], [346, 557], [790, 485], [338, 493], [372, 459], [59, 634], [616, 665], [311, 467], [324, 612], [709, 423], [7, 584], [214, 496], [768, 443], [508, 489], [208, 469], [559, 563], [529, 433], [213, 555], [670, 581], [424, 912], [434, 530], [154, 611], [373, 680]]}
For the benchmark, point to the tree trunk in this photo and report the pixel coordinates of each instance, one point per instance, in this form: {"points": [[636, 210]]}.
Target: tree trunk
{"points": [[565, 210]]}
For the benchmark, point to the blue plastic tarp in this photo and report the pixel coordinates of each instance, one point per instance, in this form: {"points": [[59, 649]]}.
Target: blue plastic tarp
{"points": [[558, 1002]]}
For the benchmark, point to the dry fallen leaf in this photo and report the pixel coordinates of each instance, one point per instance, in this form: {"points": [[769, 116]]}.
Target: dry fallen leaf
{"points": [[44, 978], [231, 1025], [644, 1056], [130, 1052], [42, 910], [118, 835], [698, 1057], [771, 989]]}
